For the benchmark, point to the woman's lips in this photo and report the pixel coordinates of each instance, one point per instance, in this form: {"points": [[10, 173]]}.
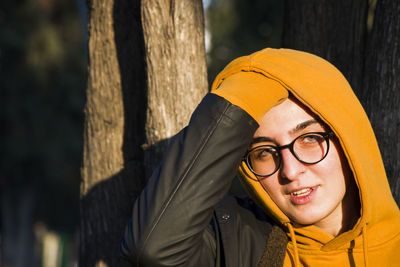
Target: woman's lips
{"points": [[302, 196]]}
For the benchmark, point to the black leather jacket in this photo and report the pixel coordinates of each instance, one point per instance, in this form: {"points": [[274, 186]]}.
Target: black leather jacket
{"points": [[183, 217]]}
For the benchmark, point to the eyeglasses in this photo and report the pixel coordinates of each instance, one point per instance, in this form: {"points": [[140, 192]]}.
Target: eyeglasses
{"points": [[309, 148]]}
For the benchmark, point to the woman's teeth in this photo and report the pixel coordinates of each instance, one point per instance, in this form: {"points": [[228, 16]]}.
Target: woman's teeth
{"points": [[302, 192]]}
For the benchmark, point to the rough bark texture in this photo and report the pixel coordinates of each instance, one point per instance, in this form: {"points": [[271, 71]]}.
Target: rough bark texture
{"points": [[174, 34], [334, 30], [381, 91], [107, 188], [133, 109]]}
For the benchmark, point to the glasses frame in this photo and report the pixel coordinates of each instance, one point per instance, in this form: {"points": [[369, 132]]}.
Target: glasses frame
{"points": [[325, 135]]}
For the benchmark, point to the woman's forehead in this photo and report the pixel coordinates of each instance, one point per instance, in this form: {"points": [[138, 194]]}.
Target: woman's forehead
{"points": [[287, 117]]}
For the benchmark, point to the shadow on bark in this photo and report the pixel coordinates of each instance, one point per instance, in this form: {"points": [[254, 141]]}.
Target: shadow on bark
{"points": [[105, 209], [108, 208]]}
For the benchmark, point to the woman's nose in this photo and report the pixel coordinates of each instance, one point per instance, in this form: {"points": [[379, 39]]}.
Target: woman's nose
{"points": [[291, 167]]}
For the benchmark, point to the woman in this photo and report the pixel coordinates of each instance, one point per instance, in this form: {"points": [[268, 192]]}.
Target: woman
{"points": [[306, 154]]}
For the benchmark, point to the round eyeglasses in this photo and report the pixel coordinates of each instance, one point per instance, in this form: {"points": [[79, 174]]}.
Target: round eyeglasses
{"points": [[310, 148]]}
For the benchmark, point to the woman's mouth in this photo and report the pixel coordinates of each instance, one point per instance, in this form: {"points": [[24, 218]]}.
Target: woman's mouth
{"points": [[303, 195]]}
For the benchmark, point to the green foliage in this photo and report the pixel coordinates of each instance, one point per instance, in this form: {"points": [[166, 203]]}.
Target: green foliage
{"points": [[42, 74]]}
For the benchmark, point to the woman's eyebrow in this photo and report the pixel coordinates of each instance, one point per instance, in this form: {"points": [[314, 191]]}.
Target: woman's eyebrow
{"points": [[302, 126], [298, 128]]}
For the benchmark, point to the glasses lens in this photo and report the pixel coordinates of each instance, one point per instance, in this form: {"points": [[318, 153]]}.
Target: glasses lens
{"points": [[310, 148], [263, 160]]}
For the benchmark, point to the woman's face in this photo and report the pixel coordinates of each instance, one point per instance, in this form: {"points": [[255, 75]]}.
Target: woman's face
{"points": [[309, 194]]}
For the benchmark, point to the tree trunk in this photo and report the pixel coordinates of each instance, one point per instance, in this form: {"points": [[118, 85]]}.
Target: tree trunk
{"points": [[381, 88], [177, 73], [336, 31], [143, 83]]}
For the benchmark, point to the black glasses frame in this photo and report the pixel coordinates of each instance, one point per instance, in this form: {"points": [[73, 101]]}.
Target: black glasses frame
{"points": [[325, 135]]}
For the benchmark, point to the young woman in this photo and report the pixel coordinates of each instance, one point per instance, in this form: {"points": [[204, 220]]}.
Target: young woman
{"points": [[307, 155]]}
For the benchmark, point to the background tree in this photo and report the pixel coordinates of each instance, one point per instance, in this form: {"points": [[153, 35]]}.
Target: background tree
{"points": [[380, 92], [42, 75], [147, 73], [337, 31]]}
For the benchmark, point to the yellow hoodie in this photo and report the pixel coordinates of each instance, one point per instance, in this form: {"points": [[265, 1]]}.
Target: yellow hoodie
{"points": [[375, 238]]}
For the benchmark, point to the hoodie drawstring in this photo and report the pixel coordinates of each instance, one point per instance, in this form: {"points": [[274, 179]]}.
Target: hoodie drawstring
{"points": [[296, 252], [365, 245]]}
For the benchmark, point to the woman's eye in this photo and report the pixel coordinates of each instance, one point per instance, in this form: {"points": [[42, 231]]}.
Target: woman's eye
{"points": [[311, 139], [264, 153]]}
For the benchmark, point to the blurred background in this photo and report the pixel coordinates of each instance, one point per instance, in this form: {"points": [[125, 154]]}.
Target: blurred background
{"points": [[42, 70], [43, 64]]}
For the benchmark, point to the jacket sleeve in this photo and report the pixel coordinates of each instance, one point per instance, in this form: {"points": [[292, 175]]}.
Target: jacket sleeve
{"points": [[169, 225]]}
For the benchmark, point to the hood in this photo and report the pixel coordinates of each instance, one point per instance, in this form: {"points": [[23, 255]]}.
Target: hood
{"points": [[323, 89]]}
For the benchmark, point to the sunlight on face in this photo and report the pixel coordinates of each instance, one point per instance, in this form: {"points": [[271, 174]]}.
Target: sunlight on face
{"points": [[306, 193]]}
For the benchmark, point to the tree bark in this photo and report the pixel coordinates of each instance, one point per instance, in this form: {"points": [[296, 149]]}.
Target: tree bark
{"points": [[143, 83], [104, 187], [177, 73], [381, 88]]}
